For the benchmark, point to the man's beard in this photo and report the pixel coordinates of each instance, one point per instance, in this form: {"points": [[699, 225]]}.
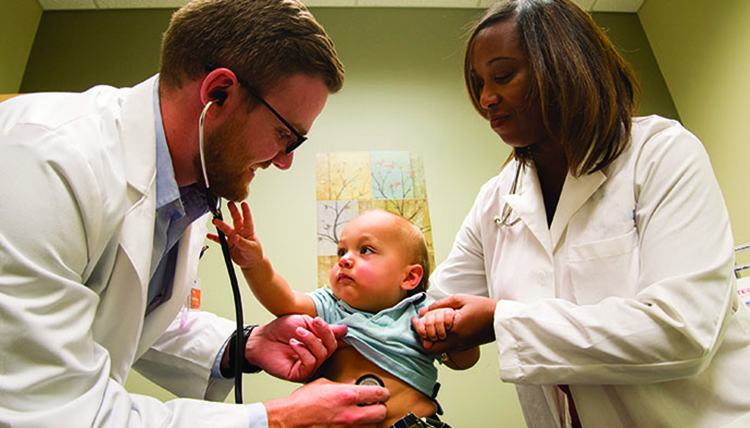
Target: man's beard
{"points": [[227, 162]]}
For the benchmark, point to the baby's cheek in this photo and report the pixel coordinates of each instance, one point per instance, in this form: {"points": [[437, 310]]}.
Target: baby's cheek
{"points": [[368, 276]]}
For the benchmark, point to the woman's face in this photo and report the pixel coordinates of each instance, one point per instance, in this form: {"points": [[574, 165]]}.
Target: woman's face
{"points": [[503, 79]]}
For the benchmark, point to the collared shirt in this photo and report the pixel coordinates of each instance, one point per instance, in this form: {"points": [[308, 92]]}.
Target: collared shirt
{"points": [[176, 208]]}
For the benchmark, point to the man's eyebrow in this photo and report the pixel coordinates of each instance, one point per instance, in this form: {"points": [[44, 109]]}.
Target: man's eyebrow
{"points": [[299, 128]]}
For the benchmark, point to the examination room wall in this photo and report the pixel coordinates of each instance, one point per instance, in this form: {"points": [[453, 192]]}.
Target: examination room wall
{"points": [[19, 20], [703, 49], [404, 91]]}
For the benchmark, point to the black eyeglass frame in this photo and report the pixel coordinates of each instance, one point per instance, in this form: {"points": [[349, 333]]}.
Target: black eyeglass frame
{"points": [[299, 137]]}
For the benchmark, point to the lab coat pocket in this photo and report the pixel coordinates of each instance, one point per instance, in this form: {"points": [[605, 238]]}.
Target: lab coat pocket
{"points": [[604, 268]]}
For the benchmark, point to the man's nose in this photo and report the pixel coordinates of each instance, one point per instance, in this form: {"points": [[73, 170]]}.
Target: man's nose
{"points": [[282, 160]]}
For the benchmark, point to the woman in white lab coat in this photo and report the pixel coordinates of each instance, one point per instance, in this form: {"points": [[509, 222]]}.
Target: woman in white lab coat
{"points": [[600, 259]]}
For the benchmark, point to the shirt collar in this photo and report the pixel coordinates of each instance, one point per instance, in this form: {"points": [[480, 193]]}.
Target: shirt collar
{"points": [[166, 185], [414, 298]]}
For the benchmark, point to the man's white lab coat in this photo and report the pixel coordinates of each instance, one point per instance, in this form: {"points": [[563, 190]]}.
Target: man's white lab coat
{"points": [[629, 297], [76, 236]]}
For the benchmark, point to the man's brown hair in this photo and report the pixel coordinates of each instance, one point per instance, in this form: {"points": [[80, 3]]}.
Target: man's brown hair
{"points": [[263, 41]]}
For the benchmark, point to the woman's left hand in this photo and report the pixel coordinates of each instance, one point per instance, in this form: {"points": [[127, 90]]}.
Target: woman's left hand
{"points": [[472, 324]]}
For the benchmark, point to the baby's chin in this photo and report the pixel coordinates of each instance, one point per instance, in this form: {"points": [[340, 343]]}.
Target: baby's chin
{"points": [[366, 306]]}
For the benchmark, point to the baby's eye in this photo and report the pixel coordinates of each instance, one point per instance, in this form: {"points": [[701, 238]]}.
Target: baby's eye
{"points": [[366, 250], [340, 252]]}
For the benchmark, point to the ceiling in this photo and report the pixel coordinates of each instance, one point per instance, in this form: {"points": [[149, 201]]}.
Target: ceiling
{"points": [[589, 5]]}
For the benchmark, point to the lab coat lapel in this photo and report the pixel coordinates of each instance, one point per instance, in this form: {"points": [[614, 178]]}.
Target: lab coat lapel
{"points": [[138, 135], [186, 272], [126, 294], [139, 139], [575, 193], [528, 204]]}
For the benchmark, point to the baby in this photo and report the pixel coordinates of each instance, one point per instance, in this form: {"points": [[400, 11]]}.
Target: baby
{"points": [[376, 287]]}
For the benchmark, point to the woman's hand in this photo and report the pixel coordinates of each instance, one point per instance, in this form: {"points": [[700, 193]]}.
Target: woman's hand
{"points": [[472, 324]]}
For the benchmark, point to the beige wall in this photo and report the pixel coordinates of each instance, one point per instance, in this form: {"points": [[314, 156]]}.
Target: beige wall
{"points": [[18, 23], [404, 91], [703, 49]]}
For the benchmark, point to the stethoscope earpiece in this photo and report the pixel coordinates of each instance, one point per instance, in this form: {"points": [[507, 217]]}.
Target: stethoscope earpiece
{"points": [[220, 98]]}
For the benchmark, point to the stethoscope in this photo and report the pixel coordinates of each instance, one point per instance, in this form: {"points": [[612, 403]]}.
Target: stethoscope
{"points": [[503, 220], [214, 205]]}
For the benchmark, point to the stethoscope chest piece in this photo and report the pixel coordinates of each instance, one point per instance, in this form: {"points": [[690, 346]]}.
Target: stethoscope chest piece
{"points": [[372, 380]]}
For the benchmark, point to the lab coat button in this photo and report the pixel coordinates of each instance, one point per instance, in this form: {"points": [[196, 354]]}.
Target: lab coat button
{"points": [[542, 276]]}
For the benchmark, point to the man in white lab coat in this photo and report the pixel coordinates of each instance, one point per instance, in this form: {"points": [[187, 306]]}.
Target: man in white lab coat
{"points": [[103, 220]]}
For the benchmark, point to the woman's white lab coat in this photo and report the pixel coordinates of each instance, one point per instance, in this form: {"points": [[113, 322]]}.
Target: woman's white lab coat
{"points": [[76, 236], [629, 297]]}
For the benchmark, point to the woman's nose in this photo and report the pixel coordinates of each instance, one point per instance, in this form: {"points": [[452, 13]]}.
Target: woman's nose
{"points": [[488, 97]]}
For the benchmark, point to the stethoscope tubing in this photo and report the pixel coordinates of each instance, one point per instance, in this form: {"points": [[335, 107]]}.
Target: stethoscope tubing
{"points": [[214, 205]]}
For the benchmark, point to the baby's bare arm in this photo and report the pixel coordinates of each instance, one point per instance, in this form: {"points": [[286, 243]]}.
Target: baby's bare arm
{"points": [[270, 288]]}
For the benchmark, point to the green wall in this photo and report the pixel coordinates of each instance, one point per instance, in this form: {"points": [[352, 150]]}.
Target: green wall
{"points": [[625, 31], [18, 24], [703, 49], [79, 49], [404, 91]]}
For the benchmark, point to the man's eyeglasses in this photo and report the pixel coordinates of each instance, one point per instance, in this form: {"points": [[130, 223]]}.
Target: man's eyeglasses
{"points": [[299, 138]]}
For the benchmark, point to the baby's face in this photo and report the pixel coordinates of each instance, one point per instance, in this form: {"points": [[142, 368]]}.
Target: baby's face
{"points": [[372, 263]]}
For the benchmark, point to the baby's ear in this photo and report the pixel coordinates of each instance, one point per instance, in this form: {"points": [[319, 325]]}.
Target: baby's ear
{"points": [[412, 277]]}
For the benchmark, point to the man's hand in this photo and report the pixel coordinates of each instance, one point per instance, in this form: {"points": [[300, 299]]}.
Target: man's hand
{"points": [[293, 347], [323, 403]]}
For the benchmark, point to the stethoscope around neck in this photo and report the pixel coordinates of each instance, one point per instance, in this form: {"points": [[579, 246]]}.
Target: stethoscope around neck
{"points": [[503, 220], [214, 206]]}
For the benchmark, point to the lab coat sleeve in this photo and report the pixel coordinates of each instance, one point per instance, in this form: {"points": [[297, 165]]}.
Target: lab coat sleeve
{"points": [[181, 360], [56, 215], [683, 287], [463, 271]]}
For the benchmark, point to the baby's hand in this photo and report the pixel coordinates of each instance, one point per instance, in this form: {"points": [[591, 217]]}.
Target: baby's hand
{"points": [[435, 324], [244, 246]]}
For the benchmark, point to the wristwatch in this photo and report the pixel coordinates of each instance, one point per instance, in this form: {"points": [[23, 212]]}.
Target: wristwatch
{"points": [[246, 367]]}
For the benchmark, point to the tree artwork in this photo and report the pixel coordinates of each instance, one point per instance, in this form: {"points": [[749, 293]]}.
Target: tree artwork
{"points": [[349, 183]]}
